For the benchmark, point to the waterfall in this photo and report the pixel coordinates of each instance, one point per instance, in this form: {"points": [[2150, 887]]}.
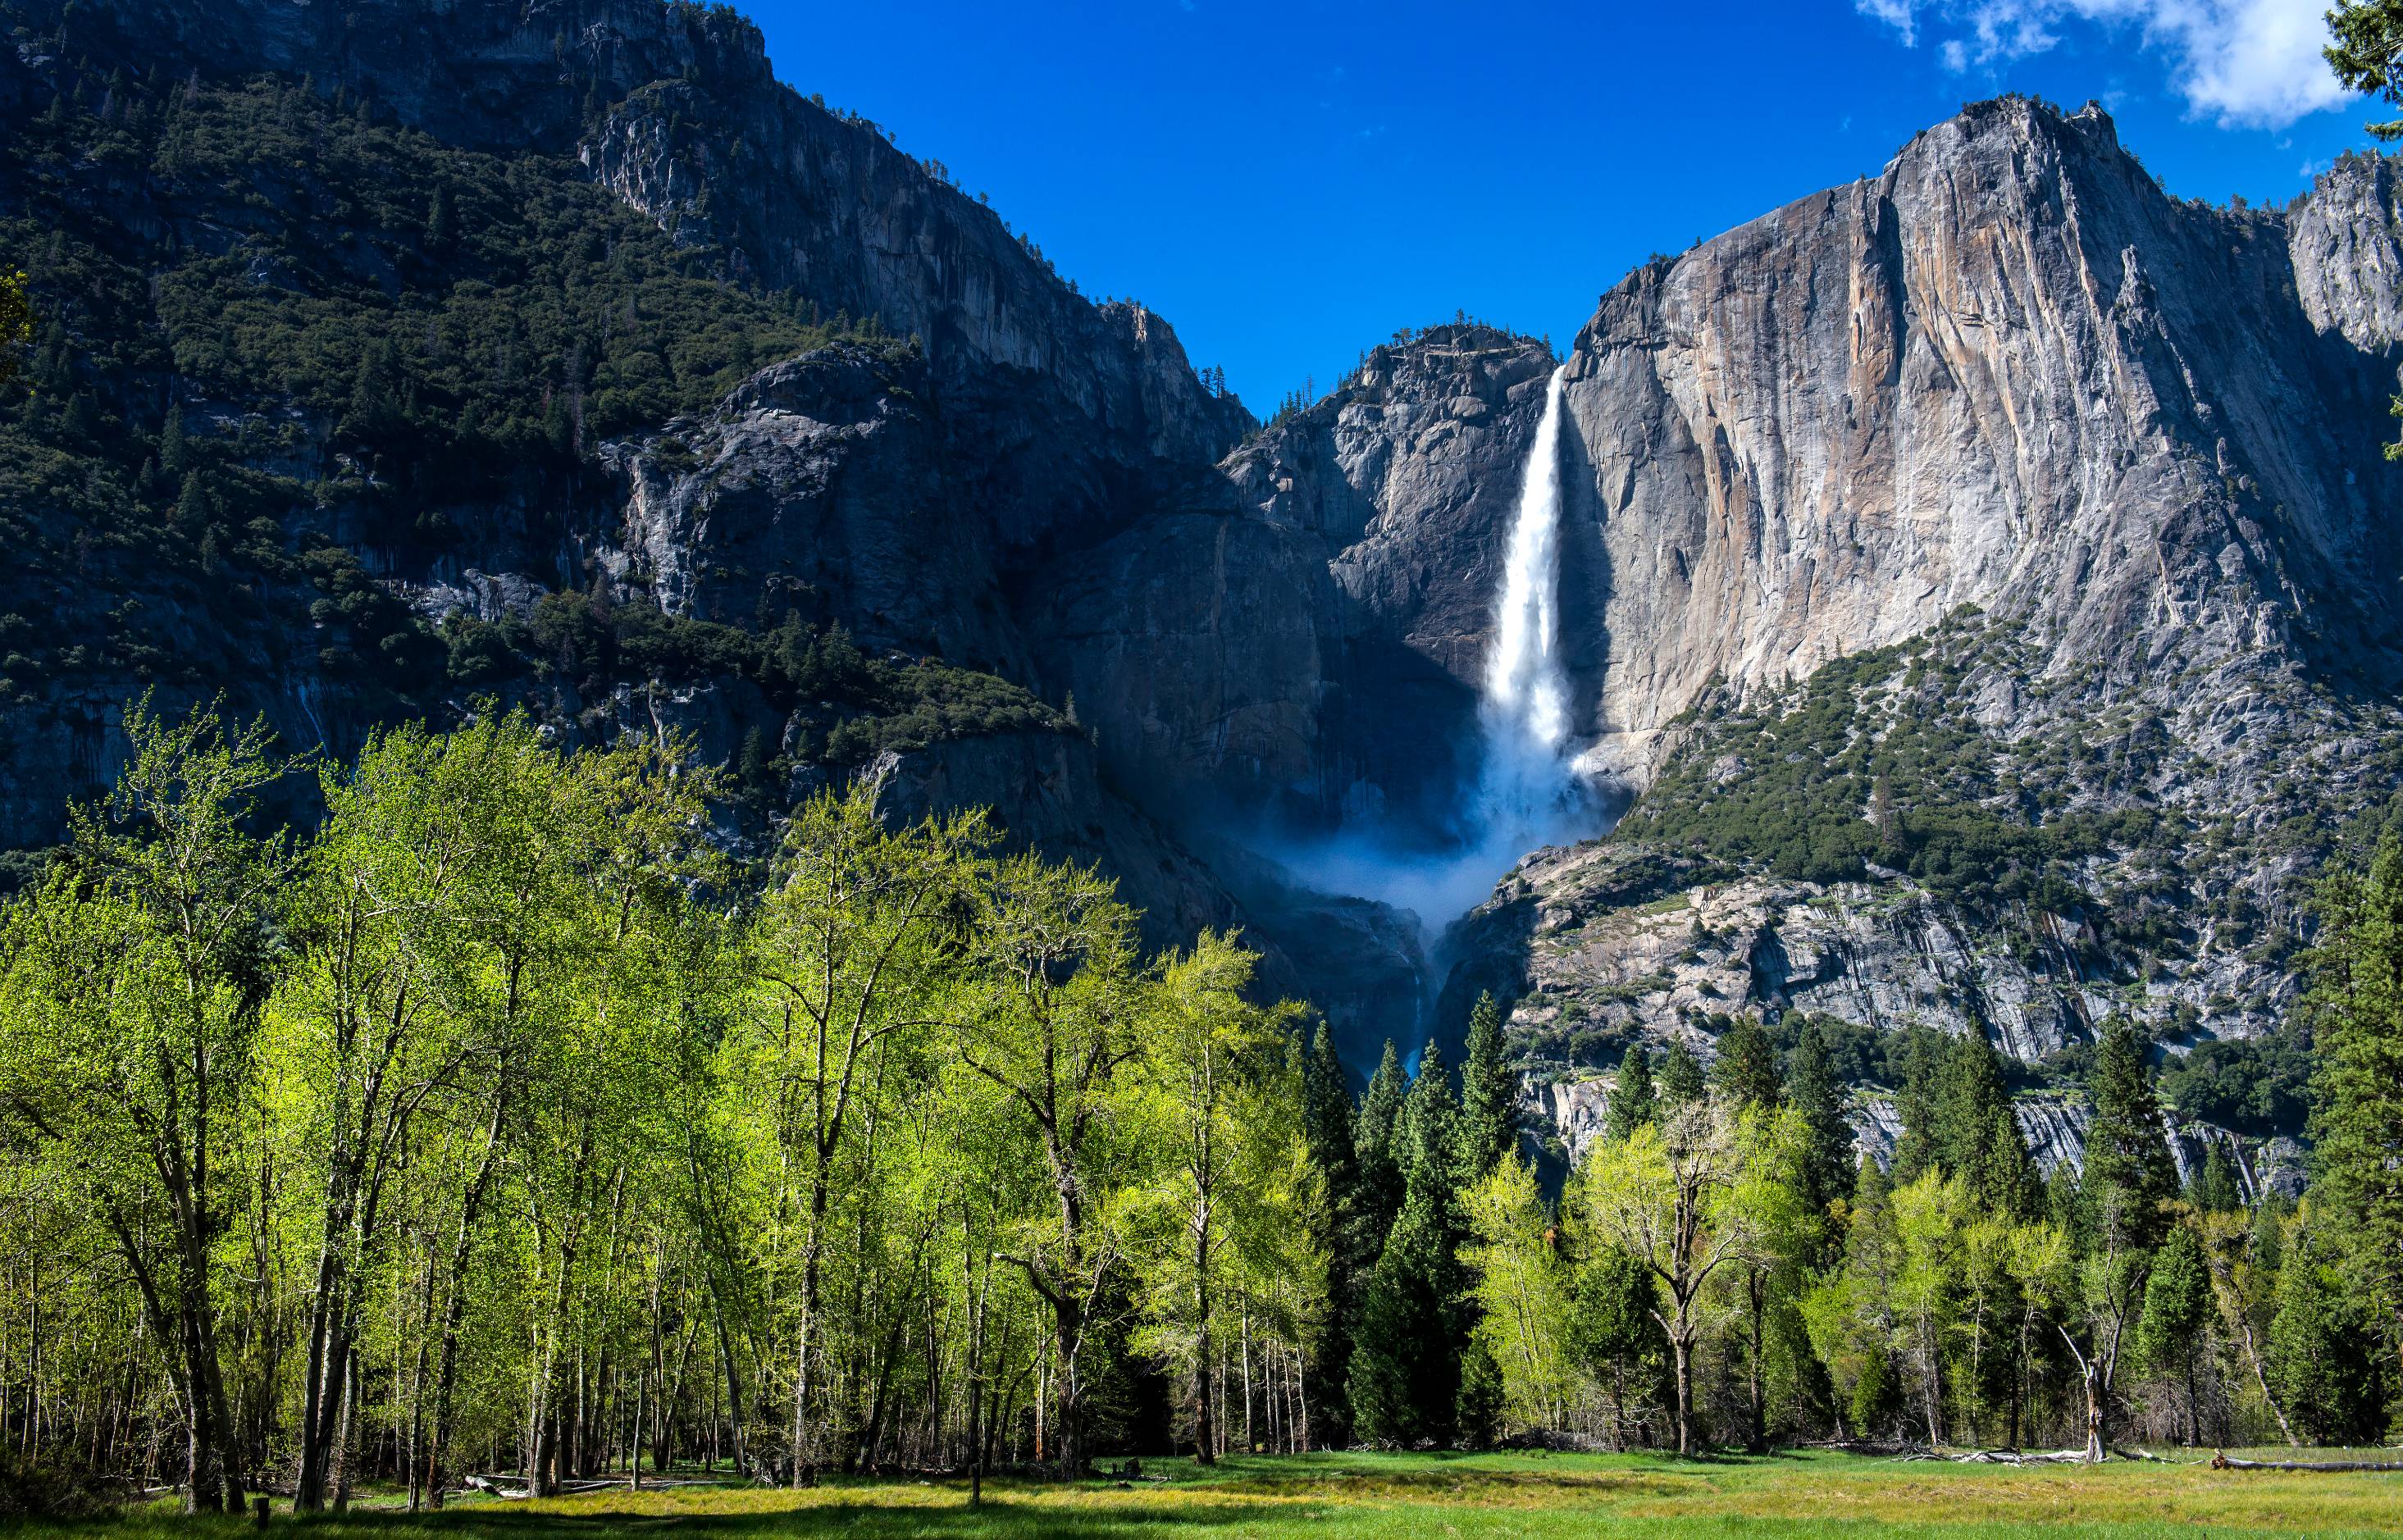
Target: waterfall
{"points": [[1526, 794], [1526, 788]]}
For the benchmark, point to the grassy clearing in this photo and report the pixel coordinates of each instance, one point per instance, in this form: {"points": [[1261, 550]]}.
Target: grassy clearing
{"points": [[1538, 1496]]}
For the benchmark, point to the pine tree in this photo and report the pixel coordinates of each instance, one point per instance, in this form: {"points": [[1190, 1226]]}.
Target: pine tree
{"points": [[175, 449], [1918, 1103], [1405, 1374], [1616, 1332], [752, 767], [1633, 1100], [1827, 1160], [1681, 1077], [1376, 1180], [2178, 1304], [2355, 1008], [194, 507], [2007, 1183], [1977, 1137], [1341, 1232], [1489, 1096], [1477, 1409], [1969, 1090], [2214, 1189], [2129, 1172], [1747, 1066], [2323, 1365], [1380, 1106]]}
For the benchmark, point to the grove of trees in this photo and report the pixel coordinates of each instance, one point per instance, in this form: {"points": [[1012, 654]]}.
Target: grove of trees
{"points": [[506, 1123]]}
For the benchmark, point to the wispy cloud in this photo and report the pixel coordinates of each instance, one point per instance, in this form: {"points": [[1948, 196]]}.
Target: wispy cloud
{"points": [[2250, 62]]}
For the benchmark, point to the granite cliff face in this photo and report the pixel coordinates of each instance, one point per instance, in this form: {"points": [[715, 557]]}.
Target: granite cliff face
{"points": [[2008, 371], [1307, 634]]}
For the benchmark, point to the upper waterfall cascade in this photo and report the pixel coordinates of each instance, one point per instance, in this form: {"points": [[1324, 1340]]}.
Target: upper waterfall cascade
{"points": [[1527, 780]]}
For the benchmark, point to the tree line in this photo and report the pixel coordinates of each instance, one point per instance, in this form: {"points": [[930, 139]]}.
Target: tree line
{"points": [[506, 1123], [482, 1130]]}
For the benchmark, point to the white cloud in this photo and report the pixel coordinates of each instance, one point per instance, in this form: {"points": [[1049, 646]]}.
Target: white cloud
{"points": [[2253, 62]]}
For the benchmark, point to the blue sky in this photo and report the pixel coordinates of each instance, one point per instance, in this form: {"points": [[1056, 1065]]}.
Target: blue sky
{"points": [[1288, 183]]}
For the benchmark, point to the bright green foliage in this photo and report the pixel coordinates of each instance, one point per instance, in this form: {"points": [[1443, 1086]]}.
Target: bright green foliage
{"points": [[1216, 1233], [1665, 1196], [481, 1128], [1522, 1292], [134, 981], [1634, 1100]]}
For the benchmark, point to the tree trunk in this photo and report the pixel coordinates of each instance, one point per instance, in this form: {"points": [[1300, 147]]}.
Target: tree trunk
{"points": [[2096, 1448], [1752, 1288], [1205, 1442], [454, 1306], [1682, 1349]]}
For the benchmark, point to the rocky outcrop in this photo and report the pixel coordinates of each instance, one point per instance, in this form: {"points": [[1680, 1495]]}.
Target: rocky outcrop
{"points": [[2007, 372], [1560, 1116], [1306, 637]]}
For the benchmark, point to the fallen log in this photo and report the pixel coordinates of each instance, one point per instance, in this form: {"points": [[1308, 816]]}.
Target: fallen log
{"points": [[2222, 1462]]}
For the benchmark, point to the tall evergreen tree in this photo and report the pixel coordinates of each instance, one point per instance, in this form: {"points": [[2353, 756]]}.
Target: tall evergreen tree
{"points": [[1681, 1077], [1747, 1066], [2129, 1172], [1969, 1089], [1919, 1103], [1489, 1096], [1381, 1107], [1634, 1101], [2007, 1182], [2177, 1306], [2214, 1189], [1378, 1165], [2355, 1007], [1346, 1235], [2323, 1363], [1827, 1161], [1615, 1330], [1404, 1383]]}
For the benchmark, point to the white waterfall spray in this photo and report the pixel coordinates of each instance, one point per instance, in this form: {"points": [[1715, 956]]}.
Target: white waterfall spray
{"points": [[1526, 794], [1526, 788]]}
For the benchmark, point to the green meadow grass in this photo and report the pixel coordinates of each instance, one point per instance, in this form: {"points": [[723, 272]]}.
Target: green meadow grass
{"points": [[1800, 1496]]}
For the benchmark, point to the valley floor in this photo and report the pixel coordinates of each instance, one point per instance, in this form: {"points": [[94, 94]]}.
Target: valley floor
{"points": [[1527, 1495]]}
